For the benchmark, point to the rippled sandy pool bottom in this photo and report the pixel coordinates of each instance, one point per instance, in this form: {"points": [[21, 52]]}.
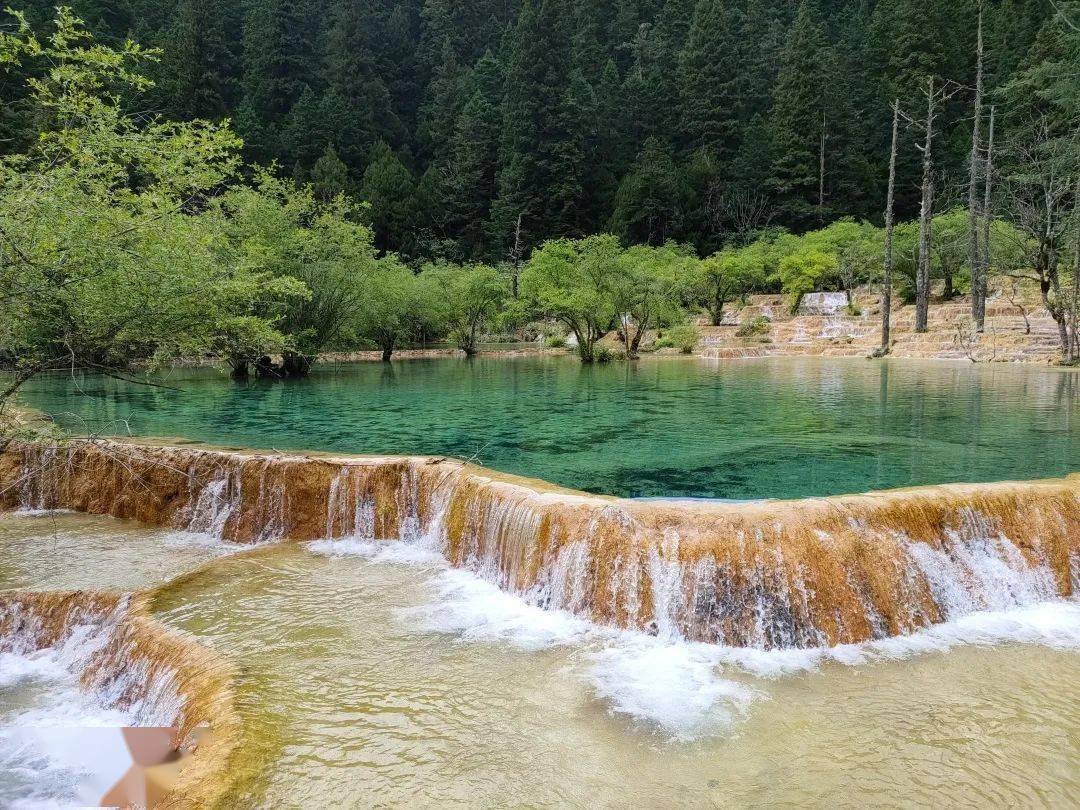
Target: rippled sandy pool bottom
{"points": [[372, 675]]}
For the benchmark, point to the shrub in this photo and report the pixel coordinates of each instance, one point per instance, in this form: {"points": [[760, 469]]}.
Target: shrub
{"points": [[605, 354], [684, 337], [555, 342], [759, 325]]}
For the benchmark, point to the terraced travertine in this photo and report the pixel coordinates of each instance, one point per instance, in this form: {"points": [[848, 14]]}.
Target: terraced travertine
{"points": [[767, 574], [1008, 337]]}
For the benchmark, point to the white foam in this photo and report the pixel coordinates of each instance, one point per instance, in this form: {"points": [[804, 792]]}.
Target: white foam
{"points": [[672, 686], [383, 551], [474, 609], [1054, 624], [184, 539], [675, 686], [683, 689]]}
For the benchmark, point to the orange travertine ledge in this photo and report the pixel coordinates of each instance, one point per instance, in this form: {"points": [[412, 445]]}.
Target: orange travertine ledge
{"points": [[767, 574]]}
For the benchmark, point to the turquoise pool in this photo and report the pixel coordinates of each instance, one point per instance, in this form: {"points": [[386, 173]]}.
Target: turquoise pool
{"points": [[661, 427]]}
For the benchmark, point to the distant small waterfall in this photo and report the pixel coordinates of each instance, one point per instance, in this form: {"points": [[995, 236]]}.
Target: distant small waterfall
{"points": [[763, 575]]}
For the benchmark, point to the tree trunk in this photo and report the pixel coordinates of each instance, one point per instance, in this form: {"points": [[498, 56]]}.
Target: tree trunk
{"points": [[987, 213], [821, 174], [978, 277], [922, 275], [718, 310], [949, 290], [241, 370], [1074, 300], [515, 259], [294, 364], [886, 284], [388, 349]]}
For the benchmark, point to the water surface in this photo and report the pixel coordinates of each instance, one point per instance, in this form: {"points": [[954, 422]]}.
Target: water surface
{"points": [[372, 674], [660, 427]]}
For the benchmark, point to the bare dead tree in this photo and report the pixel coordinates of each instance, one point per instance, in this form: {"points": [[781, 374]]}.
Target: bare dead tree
{"points": [[987, 212], [978, 278], [515, 259], [1013, 297], [890, 227], [821, 173], [742, 214], [1074, 298], [935, 98]]}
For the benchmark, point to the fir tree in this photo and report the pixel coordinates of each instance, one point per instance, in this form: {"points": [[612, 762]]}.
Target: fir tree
{"points": [[330, 175], [802, 104], [709, 81], [649, 200], [197, 70], [388, 187]]}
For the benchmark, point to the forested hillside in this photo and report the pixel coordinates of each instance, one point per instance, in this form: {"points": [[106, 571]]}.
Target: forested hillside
{"points": [[478, 129]]}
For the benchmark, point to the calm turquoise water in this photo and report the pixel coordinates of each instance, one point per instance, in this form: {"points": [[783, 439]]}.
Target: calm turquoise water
{"points": [[659, 427]]}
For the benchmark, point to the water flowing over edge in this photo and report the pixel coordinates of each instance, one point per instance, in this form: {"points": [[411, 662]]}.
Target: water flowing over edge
{"points": [[768, 575], [768, 588], [125, 669]]}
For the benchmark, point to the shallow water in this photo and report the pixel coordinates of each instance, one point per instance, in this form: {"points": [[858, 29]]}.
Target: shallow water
{"points": [[374, 675], [400, 683], [68, 551], [660, 427], [59, 744]]}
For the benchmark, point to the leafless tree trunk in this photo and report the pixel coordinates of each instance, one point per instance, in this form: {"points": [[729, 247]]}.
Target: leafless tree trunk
{"points": [[886, 284], [934, 98], [1014, 299], [987, 213], [515, 259], [1074, 302], [978, 278], [922, 273], [821, 173]]}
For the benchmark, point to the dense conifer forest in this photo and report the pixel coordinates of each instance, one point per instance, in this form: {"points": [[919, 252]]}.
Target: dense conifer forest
{"points": [[478, 129]]}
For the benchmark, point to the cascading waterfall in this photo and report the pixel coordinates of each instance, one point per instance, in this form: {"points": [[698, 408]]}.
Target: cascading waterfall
{"points": [[88, 637], [763, 575], [136, 672]]}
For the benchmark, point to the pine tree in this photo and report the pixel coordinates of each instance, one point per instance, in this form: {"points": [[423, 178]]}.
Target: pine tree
{"points": [[197, 70], [441, 105], [802, 104], [709, 81], [277, 57], [389, 188], [304, 135], [471, 169], [330, 176], [538, 64], [648, 204], [358, 93]]}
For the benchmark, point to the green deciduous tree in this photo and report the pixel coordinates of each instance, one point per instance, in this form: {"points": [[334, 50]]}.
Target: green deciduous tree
{"points": [[573, 281], [468, 298]]}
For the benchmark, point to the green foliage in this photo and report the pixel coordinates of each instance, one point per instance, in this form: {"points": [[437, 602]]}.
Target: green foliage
{"points": [[574, 282], [802, 271], [709, 79], [388, 187], [105, 258], [683, 336], [394, 306], [755, 327], [468, 299], [727, 275], [642, 116]]}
